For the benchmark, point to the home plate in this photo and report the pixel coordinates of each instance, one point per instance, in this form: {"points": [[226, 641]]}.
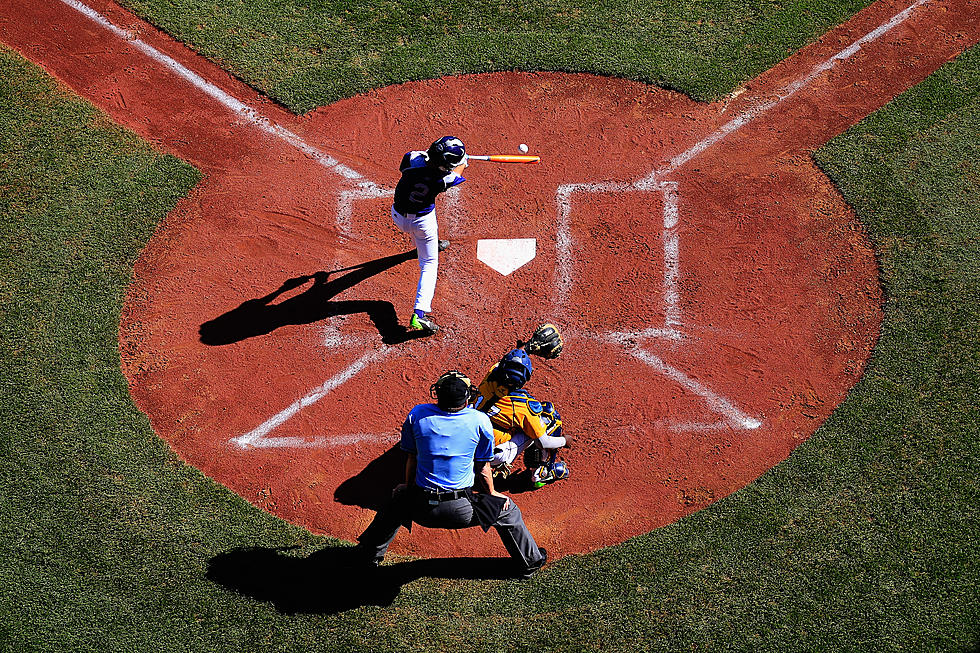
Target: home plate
{"points": [[506, 254]]}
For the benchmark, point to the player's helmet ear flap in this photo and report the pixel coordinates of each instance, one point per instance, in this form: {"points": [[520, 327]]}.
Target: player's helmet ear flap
{"points": [[447, 152]]}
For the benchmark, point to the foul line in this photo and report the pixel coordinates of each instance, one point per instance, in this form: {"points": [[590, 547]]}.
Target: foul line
{"points": [[362, 188], [789, 91], [654, 182], [366, 187]]}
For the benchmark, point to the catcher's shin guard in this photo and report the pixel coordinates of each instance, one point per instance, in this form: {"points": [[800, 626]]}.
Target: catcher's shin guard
{"points": [[550, 473], [533, 457]]}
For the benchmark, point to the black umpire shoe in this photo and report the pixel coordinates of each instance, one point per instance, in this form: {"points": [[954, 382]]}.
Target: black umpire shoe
{"points": [[534, 566]]}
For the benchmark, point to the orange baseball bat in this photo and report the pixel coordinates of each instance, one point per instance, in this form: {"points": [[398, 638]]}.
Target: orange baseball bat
{"points": [[505, 158]]}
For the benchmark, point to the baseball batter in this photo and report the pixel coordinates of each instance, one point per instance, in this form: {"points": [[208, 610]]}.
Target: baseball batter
{"points": [[425, 175]]}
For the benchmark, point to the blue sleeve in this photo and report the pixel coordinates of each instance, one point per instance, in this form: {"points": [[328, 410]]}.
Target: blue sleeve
{"points": [[452, 179], [484, 448], [408, 436], [406, 161]]}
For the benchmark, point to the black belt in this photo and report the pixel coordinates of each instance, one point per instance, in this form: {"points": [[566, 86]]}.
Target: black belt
{"points": [[444, 495]]}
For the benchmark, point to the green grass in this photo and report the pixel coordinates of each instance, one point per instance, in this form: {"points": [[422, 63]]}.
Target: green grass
{"points": [[305, 54], [866, 538]]}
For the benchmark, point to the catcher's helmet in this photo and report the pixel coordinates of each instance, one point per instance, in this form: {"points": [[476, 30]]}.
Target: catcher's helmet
{"points": [[447, 153], [514, 369]]}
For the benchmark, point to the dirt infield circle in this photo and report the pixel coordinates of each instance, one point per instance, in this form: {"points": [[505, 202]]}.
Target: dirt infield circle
{"points": [[718, 296], [714, 315]]}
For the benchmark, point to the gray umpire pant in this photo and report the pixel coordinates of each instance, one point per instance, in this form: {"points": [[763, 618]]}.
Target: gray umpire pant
{"points": [[415, 505]]}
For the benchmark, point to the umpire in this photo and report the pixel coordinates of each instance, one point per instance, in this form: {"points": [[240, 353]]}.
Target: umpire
{"points": [[449, 483]]}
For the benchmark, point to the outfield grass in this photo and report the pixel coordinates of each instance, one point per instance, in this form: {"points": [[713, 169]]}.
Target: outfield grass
{"points": [[865, 538], [305, 54]]}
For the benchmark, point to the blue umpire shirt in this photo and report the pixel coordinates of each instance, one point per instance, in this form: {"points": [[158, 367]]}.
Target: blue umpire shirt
{"points": [[446, 445]]}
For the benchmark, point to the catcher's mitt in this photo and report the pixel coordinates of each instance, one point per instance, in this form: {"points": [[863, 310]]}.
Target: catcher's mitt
{"points": [[545, 342]]}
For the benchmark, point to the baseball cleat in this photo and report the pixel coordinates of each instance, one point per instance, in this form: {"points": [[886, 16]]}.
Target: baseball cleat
{"points": [[422, 324], [549, 473], [443, 245]]}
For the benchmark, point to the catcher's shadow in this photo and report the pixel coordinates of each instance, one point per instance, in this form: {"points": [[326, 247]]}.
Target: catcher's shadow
{"points": [[332, 580], [261, 316]]}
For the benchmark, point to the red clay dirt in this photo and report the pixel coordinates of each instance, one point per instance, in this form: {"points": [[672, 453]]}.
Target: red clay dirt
{"points": [[777, 300]]}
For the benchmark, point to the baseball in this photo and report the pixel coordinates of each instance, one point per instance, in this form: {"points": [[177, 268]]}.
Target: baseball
{"points": [[522, 147]]}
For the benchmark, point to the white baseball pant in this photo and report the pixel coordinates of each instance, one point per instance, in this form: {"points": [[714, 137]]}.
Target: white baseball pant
{"points": [[507, 452], [425, 232]]}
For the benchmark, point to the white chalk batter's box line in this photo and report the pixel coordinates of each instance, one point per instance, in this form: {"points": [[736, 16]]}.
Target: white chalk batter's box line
{"points": [[361, 188]]}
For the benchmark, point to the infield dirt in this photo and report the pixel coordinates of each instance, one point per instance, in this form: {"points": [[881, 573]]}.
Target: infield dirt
{"points": [[715, 312]]}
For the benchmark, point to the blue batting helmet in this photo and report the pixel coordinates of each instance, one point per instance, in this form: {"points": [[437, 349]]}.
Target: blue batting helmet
{"points": [[447, 152]]}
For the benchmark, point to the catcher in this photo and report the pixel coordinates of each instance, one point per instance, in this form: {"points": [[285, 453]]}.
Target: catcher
{"points": [[521, 423]]}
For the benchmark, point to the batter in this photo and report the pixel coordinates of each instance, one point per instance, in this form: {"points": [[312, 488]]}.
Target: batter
{"points": [[425, 175]]}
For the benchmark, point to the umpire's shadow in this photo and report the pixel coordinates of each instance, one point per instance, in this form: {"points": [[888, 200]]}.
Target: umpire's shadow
{"points": [[331, 580], [260, 316], [371, 487]]}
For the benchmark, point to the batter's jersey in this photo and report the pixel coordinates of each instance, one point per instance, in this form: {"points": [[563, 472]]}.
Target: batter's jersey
{"points": [[420, 184]]}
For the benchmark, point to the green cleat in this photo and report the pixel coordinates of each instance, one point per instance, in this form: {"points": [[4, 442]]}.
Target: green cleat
{"points": [[422, 324]]}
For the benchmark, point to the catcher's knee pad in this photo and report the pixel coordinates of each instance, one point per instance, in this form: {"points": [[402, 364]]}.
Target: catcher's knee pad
{"points": [[504, 453], [533, 457]]}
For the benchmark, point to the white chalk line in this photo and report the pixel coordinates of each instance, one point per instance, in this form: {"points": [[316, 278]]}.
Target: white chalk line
{"points": [[364, 188], [368, 189], [256, 438], [789, 91], [655, 182], [734, 416], [672, 255], [320, 442], [696, 427], [345, 204], [715, 401], [630, 342]]}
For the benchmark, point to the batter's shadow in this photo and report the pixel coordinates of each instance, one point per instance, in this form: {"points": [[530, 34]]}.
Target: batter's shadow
{"points": [[261, 316], [333, 580]]}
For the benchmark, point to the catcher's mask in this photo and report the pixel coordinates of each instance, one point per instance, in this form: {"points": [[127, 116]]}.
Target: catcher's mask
{"points": [[452, 390]]}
